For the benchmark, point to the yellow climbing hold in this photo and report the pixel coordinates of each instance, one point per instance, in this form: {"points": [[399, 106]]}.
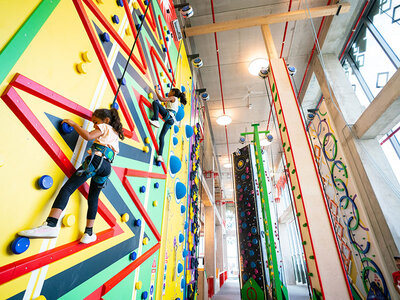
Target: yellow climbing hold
{"points": [[86, 56], [150, 95], [135, 5], [68, 220], [81, 67], [165, 80], [147, 140], [41, 297], [145, 241], [165, 28], [125, 217], [145, 149], [162, 74], [128, 31], [138, 285], [155, 203]]}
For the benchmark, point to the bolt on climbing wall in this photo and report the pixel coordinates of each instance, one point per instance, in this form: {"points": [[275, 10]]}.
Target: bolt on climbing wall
{"points": [[62, 60]]}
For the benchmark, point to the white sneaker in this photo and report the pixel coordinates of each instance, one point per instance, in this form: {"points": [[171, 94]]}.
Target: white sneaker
{"points": [[160, 159], [154, 123], [43, 231], [87, 239]]}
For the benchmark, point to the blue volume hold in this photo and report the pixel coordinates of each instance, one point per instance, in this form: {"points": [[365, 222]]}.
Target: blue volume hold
{"points": [[175, 141], [145, 294], [181, 238], [20, 245], [66, 128], [180, 268]]}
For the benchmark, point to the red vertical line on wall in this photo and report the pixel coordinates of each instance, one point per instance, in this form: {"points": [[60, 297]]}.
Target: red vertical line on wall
{"points": [[220, 78], [284, 33], [312, 53], [354, 28]]}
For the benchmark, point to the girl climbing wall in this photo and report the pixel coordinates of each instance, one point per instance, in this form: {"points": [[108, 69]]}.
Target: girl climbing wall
{"points": [[168, 114], [107, 131]]}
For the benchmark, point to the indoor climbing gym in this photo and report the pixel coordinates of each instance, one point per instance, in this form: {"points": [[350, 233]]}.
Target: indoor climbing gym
{"points": [[200, 150]]}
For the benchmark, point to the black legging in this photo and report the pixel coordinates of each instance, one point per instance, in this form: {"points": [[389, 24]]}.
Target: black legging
{"points": [[75, 181], [169, 121]]}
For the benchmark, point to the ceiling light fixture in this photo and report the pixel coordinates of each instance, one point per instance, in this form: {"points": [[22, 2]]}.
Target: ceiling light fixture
{"points": [[257, 64], [224, 120]]}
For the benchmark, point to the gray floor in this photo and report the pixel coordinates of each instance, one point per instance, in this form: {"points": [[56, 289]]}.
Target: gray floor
{"points": [[229, 291]]}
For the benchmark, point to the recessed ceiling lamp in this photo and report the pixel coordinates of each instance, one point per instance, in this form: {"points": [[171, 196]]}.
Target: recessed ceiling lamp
{"points": [[257, 64], [227, 166], [224, 120]]}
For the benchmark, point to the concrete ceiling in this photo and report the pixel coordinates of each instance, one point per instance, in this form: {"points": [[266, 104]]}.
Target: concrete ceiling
{"points": [[237, 48]]}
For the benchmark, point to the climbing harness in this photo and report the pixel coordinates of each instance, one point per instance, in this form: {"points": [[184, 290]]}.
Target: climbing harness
{"points": [[130, 54], [87, 167]]}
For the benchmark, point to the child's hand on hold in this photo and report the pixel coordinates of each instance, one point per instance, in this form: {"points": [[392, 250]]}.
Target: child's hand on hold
{"points": [[69, 122]]}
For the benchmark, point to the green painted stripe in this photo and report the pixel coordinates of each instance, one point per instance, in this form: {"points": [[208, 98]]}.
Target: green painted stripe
{"points": [[13, 50]]}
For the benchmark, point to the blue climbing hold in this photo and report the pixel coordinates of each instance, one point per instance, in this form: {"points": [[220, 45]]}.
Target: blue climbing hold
{"points": [[244, 225], [180, 190], [253, 264], [245, 277], [120, 3], [183, 209], [183, 89], [188, 131], [145, 294], [186, 225], [138, 222], [175, 141], [168, 32], [181, 238], [66, 128], [146, 2], [167, 39], [251, 253], [165, 49], [45, 182], [141, 17], [255, 241], [115, 19], [158, 163], [176, 129], [170, 70], [180, 114], [105, 37], [242, 214], [253, 230], [180, 268], [20, 245], [137, 27], [115, 105], [133, 256], [122, 81], [183, 283], [156, 185], [142, 189], [174, 164], [168, 85], [185, 253]]}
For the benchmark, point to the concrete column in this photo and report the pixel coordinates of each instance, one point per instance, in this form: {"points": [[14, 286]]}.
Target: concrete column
{"points": [[210, 247], [366, 160], [219, 254]]}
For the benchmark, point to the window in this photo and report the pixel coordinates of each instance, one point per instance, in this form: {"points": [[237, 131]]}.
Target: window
{"points": [[391, 146], [362, 97]]}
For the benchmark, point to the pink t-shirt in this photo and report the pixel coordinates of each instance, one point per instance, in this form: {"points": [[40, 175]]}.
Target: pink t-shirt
{"points": [[108, 138]]}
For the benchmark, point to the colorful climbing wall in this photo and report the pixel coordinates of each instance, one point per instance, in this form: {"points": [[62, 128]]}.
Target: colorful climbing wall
{"points": [[61, 60], [254, 280], [359, 251]]}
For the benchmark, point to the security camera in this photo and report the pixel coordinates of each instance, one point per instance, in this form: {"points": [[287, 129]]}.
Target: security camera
{"points": [[187, 11], [264, 72], [242, 140], [291, 70]]}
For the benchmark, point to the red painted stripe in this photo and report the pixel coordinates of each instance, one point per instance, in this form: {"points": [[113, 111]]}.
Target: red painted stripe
{"points": [[150, 16], [153, 54], [390, 135], [284, 33], [111, 283], [93, 8], [165, 43], [103, 61]]}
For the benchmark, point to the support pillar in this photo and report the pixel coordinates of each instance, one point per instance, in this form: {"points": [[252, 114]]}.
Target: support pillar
{"points": [[210, 247]]}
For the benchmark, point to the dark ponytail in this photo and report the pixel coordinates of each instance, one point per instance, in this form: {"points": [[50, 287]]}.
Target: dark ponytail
{"points": [[180, 95], [115, 121]]}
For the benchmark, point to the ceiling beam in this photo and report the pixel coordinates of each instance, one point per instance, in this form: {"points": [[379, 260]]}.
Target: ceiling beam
{"points": [[302, 14]]}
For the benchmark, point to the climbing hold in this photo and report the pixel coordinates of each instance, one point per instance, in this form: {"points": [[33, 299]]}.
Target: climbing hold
{"points": [[186, 225], [183, 283], [122, 81], [188, 131], [167, 39], [45, 182], [128, 31], [120, 3], [180, 268], [183, 209], [138, 285], [180, 114], [175, 141], [156, 185], [68, 220], [165, 80], [86, 57], [170, 70], [145, 241], [145, 149], [168, 85], [142, 189], [138, 222], [141, 17], [133, 256], [105, 37], [165, 49], [66, 128], [114, 105], [174, 164], [41, 297], [165, 28], [183, 89], [304, 243], [150, 95], [125, 217], [20, 245], [181, 238], [155, 203], [115, 19], [251, 253], [168, 32], [145, 295], [180, 190], [137, 27], [176, 129], [146, 2], [135, 5], [147, 140]]}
